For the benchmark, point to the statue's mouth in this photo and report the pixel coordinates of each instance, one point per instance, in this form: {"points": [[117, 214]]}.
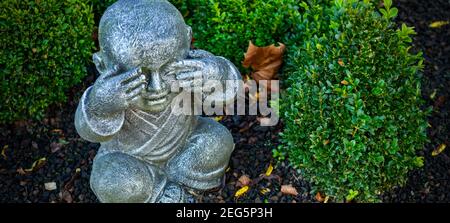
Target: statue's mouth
{"points": [[156, 99]]}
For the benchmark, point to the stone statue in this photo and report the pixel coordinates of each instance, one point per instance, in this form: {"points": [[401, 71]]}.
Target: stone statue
{"points": [[148, 153]]}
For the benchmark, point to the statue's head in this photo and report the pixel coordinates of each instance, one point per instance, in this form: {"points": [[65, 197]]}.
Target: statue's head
{"points": [[143, 33]]}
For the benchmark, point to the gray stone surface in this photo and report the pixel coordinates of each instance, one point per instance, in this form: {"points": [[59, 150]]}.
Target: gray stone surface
{"points": [[148, 153]]}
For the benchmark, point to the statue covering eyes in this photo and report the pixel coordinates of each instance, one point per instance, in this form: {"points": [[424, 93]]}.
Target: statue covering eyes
{"points": [[148, 153]]}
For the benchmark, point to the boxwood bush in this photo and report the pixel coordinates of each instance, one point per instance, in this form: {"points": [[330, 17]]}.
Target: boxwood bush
{"points": [[352, 107], [45, 46]]}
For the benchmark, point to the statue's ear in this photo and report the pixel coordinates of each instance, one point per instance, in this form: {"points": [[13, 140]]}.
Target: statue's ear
{"points": [[189, 33], [99, 62]]}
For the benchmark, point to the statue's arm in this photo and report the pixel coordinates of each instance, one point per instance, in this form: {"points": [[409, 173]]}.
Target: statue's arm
{"points": [[96, 127]]}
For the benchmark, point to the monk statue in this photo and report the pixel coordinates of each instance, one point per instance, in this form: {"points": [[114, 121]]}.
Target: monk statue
{"points": [[148, 152]]}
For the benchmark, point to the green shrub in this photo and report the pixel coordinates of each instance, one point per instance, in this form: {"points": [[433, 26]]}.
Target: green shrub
{"points": [[353, 122], [45, 46], [225, 27]]}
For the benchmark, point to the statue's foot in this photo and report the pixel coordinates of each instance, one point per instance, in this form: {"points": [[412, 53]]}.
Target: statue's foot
{"points": [[175, 193]]}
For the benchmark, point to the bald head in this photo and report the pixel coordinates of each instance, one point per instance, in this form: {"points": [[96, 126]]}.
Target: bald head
{"points": [[146, 33]]}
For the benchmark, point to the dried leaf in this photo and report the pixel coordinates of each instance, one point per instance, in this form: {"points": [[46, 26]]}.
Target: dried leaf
{"points": [[319, 197], [326, 142], [326, 199], [241, 191], [341, 63], [244, 180], [21, 171], [36, 164], [438, 150], [344, 82], [4, 152], [264, 191], [438, 24], [433, 94], [50, 186], [289, 189], [57, 131], [269, 170], [265, 61]]}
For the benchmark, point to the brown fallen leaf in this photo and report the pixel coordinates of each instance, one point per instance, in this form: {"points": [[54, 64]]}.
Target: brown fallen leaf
{"points": [[265, 61], [341, 62], [57, 131], [319, 197], [20, 171], [289, 190], [244, 180]]}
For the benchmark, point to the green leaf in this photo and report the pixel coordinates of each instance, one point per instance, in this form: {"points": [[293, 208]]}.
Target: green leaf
{"points": [[418, 161], [351, 195], [393, 12], [387, 4]]}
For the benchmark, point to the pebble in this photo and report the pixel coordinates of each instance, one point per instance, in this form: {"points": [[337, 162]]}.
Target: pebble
{"points": [[50, 186]]}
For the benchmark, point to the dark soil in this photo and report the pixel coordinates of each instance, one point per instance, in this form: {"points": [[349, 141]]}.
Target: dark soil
{"points": [[68, 158]]}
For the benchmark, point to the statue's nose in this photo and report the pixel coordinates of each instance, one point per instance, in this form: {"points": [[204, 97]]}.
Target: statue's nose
{"points": [[156, 83]]}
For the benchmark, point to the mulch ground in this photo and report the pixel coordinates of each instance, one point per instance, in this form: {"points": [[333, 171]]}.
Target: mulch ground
{"points": [[36, 153]]}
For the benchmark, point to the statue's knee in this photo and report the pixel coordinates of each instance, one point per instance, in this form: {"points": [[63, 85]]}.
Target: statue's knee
{"points": [[216, 133], [119, 178], [224, 142]]}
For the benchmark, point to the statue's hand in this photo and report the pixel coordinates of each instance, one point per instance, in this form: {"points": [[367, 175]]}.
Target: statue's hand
{"points": [[114, 91], [192, 73]]}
